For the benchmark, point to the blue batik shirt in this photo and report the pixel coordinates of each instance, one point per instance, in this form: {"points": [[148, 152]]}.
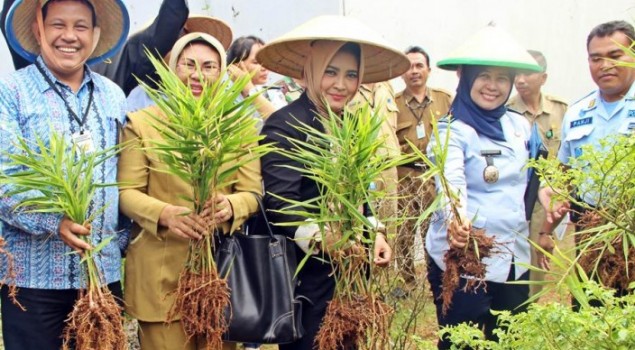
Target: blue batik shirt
{"points": [[29, 107]]}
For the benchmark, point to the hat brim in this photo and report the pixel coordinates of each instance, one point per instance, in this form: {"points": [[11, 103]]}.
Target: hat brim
{"points": [[455, 63], [287, 54], [491, 46], [112, 18], [212, 26]]}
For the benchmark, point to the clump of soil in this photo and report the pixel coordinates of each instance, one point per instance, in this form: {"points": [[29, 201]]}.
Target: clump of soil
{"points": [[348, 323], [467, 261], [612, 268], [201, 300], [95, 323]]}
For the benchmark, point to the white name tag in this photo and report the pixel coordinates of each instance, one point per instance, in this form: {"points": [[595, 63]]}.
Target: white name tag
{"points": [[421, 131], [84, 141]]}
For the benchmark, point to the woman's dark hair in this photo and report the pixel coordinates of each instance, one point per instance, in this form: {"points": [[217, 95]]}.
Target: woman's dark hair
{"points": [[45, 9], [352, 48], [240, 49]]}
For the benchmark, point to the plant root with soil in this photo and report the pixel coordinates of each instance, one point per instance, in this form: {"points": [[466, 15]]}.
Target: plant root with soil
{"points": [[613, 269], [10, 274], [467, 261], [348, 323], [201, 301], [95, 323]]}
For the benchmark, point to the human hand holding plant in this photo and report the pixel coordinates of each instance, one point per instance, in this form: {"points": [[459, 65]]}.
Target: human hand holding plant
{"points": [[459, 232], [382, 251], [221, 207], [545, 241], [555, 211], [60, 175], [331, 243], [69, 232], [182, 222]]}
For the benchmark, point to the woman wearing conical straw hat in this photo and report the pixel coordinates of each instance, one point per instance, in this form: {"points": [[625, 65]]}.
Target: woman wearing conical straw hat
{"points": [[333, 55], [485, 167]]}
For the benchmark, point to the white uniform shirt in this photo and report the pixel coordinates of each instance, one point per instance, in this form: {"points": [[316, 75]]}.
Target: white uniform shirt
{"points": [[498, 207], [587, 122]]}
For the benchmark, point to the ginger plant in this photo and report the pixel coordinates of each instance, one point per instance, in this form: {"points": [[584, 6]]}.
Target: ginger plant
{"points": [[201, 135], [58, 175], [344, 159]]}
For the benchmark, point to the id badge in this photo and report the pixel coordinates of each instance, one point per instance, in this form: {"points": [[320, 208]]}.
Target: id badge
{"points": [[421, 131], [84, 141]]}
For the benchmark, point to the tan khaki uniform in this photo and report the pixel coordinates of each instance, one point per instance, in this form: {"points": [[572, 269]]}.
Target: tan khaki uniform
{"points": [[549, 121], [381, 97], [414, 123], [156, 256]]}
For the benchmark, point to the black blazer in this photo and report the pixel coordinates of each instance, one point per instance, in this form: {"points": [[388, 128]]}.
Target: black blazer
{"points": [[314, 280]]}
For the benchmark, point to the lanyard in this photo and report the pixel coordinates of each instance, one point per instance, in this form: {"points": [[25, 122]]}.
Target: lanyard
{"points": [[420, 106], [68, 107], [370, 103]]}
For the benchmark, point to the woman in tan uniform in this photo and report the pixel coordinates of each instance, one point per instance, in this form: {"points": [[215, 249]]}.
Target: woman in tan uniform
{"points": [[154, 200]]}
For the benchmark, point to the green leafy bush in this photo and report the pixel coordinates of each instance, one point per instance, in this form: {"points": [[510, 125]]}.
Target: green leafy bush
{"points": [[557, 326]]}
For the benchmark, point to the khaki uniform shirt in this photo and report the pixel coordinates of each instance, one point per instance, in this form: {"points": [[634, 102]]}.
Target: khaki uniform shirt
{"points": [[549, 119], [412, 113], [156, 256], [381, 99]]}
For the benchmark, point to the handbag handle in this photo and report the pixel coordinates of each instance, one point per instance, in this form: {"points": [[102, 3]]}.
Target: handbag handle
{"points": [[263, 213]]}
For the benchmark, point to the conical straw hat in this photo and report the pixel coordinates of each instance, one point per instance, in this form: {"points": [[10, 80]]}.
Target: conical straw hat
{"points": [[491, 46], [212, 26], [286, 55], [112, 18]]}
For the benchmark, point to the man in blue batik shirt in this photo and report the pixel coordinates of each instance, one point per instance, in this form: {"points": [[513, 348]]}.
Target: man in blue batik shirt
{"points": [[58, 92], [609, 110]]}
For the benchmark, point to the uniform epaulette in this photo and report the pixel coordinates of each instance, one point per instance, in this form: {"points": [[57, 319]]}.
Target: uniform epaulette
{"points": [[399, 94], [556, 99], [441, 90], [585, 96]]}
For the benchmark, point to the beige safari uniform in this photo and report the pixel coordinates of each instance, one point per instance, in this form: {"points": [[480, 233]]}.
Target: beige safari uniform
{"points": [[381, 96], [549, 121], [414, 123]]}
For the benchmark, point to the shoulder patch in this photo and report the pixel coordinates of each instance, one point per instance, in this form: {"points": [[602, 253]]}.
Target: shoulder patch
{"points": [[583, 98], [443, 91], [556, 99]]}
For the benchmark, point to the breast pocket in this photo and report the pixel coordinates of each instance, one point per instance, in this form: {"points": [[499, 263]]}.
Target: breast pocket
{"points": [[577, 137], [553, 143], [478, 220], [404, 132], [628, 127]]}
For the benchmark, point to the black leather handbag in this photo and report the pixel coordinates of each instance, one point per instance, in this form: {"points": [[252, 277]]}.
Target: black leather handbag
{"points": [[259, 267]]}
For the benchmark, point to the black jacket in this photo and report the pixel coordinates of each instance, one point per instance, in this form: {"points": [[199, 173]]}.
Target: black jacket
{"points": [[315, 282]]}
